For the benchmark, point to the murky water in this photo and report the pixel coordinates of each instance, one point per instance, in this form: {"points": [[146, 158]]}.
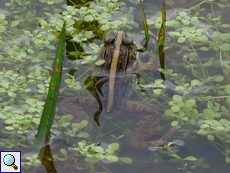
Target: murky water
{"points": [[194, 99]]}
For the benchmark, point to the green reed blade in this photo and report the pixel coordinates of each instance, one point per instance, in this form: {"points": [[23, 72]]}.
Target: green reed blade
{"points": [[145, 28], [49, 109], [144, 22], [161, 36], [161, 41]]}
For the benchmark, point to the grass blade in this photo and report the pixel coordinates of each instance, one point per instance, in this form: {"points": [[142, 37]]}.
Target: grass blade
{"points": [[49, 109], [161, 36], [145, 28], [161, 41], [144, 22]]}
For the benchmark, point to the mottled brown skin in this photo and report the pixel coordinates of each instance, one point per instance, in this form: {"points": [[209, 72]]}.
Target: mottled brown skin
{"points": [[120, 59], [126, 66], [127, 63], [147, 117]]}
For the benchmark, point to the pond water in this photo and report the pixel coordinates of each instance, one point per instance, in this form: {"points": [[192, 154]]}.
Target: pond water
{"points": [[192, 102]]}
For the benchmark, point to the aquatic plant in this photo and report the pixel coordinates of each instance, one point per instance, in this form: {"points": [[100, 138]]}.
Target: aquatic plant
{"points": [[195, 100]]}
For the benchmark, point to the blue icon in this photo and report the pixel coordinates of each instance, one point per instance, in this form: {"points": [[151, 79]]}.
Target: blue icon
{"points": [[9, 160]]}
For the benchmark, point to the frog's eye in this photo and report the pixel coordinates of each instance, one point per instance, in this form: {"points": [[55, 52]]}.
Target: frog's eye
{"points": [[127, 42], [109, 40], [131, 42], [112, 42]]}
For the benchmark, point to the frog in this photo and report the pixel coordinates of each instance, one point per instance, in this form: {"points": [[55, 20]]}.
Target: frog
{"points": [[113, 82]]}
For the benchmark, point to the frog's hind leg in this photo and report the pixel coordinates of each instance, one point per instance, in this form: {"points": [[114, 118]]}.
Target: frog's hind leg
{"points": [[163, 140], [148, 117], [79, 108], [145, 130]]}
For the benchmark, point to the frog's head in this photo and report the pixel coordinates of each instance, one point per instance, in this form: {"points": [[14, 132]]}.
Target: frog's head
{"points": [[119, 39]]}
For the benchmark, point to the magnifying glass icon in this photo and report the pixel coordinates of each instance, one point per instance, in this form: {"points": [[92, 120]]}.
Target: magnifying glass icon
{"points": [[9, 160]]}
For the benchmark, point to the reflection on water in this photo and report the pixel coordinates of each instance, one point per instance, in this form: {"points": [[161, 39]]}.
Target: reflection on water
{"points": [[194, 99]]}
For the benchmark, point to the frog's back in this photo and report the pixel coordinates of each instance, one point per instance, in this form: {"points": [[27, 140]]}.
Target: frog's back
{"points": [[115, 78]]}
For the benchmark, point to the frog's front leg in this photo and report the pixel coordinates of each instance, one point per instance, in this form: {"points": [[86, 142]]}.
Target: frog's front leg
{"points": [[149, 66], [152, 65]]}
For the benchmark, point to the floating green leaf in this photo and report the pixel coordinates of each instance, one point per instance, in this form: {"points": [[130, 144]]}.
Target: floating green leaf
{"points": [[112, 158], [126, 160], [100, 62], [113, 146], [208, 113], [225, 47], [211, 137], [190, 158], [174, 123]]}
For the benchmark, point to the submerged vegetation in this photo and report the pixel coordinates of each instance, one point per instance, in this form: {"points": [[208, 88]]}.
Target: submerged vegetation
{"points": [[195, 98]]}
